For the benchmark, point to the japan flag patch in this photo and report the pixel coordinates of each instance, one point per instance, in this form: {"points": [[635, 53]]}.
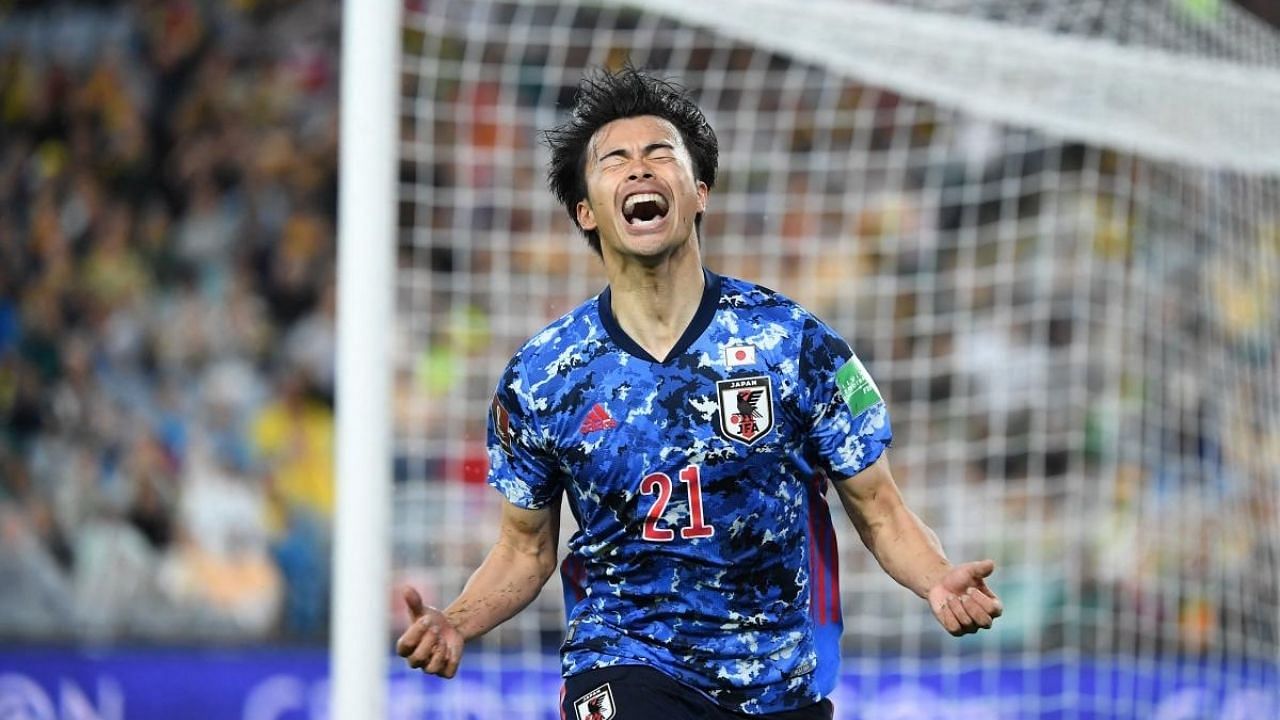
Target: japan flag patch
{"points": [[739, 355], [595, 705]]}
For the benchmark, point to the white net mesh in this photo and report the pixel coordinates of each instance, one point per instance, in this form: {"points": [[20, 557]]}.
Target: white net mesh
{"points": [[1053, 235]]}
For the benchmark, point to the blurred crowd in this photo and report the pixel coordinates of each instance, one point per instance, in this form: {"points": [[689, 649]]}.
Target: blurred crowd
{"points": [[167, 203]]}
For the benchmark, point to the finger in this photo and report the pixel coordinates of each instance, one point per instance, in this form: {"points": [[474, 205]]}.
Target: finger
{"points": [[439, 660], [413, 601], [408, 641], [986, 590], [953, 624], [946, 618], [455, 657], [451, 647], [988, 601], [448, 654], [412, 635], [981, 569], [975, 609], [425, 649], [961, 612]]}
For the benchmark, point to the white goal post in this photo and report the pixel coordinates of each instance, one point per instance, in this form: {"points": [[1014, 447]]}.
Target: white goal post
{"points": [[366, 240]]}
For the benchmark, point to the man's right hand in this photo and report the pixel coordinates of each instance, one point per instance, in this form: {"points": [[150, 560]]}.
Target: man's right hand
{"points": [[431, 642]]}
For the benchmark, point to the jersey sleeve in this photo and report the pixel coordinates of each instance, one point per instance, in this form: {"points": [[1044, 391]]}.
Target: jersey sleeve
{"points": [[520, 464], [849, 427]]}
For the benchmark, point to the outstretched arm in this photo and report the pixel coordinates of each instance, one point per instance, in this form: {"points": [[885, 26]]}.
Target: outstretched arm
{"points": [[510, 577], [910, 553]]}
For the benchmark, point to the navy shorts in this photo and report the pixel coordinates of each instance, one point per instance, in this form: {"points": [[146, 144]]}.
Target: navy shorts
{"points": [[636, 692]]}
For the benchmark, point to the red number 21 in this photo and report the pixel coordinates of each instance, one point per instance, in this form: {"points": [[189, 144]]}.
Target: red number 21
{"points": [[660, 483]]}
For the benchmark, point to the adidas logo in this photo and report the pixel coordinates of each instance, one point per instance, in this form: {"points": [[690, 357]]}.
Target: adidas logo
{"points": [[597, 419]]}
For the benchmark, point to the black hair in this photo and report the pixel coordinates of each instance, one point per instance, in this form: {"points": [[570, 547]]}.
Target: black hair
{"points": [[605, 96]]}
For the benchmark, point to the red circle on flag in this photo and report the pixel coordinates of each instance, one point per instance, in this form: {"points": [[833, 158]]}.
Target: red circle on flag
{"points": [[741, 355]]}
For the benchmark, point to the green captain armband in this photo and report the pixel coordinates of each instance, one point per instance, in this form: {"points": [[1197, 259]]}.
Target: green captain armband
{"points": [[856, 386]]}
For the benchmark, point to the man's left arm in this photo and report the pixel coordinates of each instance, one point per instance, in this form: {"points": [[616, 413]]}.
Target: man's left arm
{"points": [[911, 554]]}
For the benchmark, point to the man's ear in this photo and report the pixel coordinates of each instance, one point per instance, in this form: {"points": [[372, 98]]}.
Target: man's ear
{"points": [[703, 191], [586, 216]]}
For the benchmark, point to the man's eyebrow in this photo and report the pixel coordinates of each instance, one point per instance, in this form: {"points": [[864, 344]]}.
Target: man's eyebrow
{"points": [[623, 152]]}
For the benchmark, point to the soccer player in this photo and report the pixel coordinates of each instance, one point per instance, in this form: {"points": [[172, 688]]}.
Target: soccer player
{"points": [[694, 422]]}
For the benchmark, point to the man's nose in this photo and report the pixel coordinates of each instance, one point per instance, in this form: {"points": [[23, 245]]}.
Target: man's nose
{"points": [[639, 169]]}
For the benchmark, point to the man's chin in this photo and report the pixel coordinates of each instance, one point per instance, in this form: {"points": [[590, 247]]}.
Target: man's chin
{"points": [[654, 246]]}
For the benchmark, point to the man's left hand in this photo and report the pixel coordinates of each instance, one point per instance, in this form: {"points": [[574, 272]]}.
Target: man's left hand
{"points": [[962, 602]]}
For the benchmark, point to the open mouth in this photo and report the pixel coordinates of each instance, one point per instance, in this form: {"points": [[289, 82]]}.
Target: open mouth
{"points": [[644, 209]]}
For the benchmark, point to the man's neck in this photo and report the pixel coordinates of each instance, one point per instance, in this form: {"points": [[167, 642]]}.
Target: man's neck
{"points": [[654, 304]]}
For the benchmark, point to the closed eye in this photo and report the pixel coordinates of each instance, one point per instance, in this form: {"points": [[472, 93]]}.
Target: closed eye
{"points": [[613, 157], [654, 152], [662, 151]]}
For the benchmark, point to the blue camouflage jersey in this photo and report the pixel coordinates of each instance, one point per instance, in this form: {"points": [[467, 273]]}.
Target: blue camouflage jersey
{"points": [[705, 547]]}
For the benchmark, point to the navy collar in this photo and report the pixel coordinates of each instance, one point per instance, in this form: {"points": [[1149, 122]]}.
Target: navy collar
{"points": [[701, 320]]}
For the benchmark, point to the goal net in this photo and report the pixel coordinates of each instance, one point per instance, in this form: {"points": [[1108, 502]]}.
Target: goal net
{"points": [[1050, 230]]}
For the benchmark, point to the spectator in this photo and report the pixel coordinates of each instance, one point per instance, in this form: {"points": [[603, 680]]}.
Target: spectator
{"points": [[136, 331]]}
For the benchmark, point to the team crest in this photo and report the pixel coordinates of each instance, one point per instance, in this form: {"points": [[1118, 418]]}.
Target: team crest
{"points": [[595, 705], [746, 408], [501, 420]]}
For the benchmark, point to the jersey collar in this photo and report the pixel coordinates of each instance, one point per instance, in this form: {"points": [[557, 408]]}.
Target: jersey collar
{"points": [[701, 320]]}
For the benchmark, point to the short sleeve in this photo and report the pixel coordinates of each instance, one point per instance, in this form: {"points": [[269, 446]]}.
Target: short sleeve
{"points": [[849, 423], [520, 464]]}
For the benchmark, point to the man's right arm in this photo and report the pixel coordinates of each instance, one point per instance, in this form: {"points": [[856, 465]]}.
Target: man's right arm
{"points": [[516, 568]]}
